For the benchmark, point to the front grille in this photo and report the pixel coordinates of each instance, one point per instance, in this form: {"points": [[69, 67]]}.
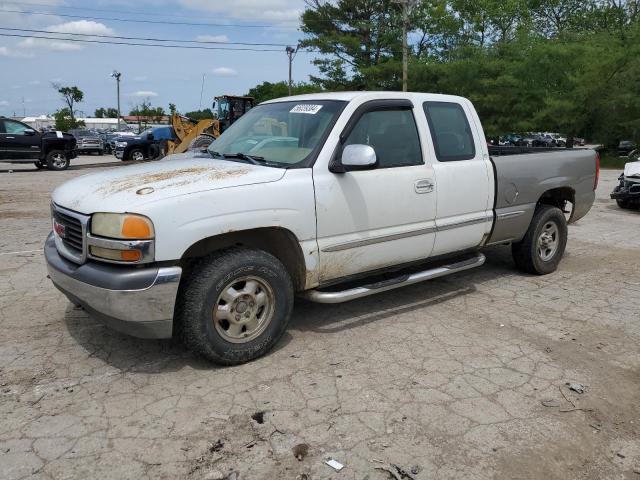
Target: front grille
{"points": [[73, 238]]}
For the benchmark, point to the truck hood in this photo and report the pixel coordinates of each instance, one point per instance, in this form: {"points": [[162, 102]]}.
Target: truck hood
{"points": [[116, 190], [632, 171]]}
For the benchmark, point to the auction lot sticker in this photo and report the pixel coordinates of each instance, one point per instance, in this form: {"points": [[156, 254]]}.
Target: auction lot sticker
{"points": [[306, 108]]}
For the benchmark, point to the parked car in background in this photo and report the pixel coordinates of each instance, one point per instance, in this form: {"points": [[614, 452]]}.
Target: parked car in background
{"points": [[543, 141], [147, 145], [19, 143], [88, 141], [625, 147], [515, 140], [627, 192]]}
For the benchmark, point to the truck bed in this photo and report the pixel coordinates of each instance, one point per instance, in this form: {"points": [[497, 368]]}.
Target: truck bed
{"points": [[524, 176]]}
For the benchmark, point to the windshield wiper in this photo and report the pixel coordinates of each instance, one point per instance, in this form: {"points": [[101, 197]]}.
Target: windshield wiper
{"points": [[243, 156]]}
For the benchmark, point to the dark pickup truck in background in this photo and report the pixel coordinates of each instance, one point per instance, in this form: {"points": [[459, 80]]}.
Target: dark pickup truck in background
{"points": [[148, 145], [19, 143]]}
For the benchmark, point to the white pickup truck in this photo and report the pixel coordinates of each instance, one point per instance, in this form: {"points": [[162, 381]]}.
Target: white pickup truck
{"points": [[330, 197]]}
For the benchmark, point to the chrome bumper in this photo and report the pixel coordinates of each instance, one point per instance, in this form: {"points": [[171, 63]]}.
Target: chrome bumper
{"points": [[144, 311]]}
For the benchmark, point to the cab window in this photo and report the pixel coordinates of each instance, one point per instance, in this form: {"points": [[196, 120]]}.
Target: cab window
{"points": [[15, 128], [393, 135], [450, 131]]}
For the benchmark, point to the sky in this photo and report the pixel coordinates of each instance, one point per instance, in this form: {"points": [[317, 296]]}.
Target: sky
{"points": [[29, 66]]}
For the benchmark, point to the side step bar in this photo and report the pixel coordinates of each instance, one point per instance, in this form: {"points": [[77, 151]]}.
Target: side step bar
{"points": [[364, 291]]}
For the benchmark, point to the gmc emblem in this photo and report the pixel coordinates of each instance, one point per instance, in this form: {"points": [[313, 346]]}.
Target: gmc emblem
{"points": [[59, 229]]}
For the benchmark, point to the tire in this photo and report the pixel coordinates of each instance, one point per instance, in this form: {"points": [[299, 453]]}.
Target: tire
{"points": [[542, 247], [623, 203], [201, 142], [136, 155], [100, 152], [40, 165], [57, 160], [202, 312]]}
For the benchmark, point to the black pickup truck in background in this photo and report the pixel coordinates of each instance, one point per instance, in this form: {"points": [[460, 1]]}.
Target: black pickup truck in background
{"points": [[19, 143]]}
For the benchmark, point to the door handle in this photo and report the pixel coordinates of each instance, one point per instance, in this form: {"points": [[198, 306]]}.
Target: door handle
{"points": [[424, 186]]}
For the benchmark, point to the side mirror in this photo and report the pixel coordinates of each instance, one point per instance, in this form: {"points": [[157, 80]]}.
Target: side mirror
{"points": [[359, 157], [29, 132], [149, 136]]}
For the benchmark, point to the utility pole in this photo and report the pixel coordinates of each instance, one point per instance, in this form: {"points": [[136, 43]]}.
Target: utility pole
{"points": [[406, 7], [24, 110], [117, 76], [291, 53], [202, 90]]}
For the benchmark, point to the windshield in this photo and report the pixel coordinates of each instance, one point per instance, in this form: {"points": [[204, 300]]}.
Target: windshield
{"points": [[284, 134]]}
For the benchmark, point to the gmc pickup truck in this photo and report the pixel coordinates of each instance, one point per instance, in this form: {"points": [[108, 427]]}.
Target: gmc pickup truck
{"points": [[331, 197]]}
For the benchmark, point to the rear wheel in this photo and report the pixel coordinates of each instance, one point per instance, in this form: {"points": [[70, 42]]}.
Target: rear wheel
{"points": [[235, 305], [542, 247], [57, 160]]}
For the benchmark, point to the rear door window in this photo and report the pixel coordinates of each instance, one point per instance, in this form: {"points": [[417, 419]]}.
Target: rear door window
{"points": [[450, 131]]}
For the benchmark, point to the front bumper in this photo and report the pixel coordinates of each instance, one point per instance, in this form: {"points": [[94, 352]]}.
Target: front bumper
{"points": [[626, 190], [136, 301]]}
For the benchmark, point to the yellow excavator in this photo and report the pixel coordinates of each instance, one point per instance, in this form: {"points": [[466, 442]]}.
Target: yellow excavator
{"points": [[200, 133]]}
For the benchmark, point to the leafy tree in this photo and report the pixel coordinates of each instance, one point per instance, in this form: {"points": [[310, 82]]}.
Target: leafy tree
{"points": [[65, 121], [147, 114], [200, 114], [172, 108], [106, 112], [70, 96], [268, 90], [354, 37]]}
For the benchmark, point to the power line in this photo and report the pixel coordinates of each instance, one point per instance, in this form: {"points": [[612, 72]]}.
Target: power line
{"points": [[118, 37], [106, 42], [127, 11], [161, 22]]}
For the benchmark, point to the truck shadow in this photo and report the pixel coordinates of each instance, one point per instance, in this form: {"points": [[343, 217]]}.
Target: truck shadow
{"points": [[129, 354], [334, 318], [136, 355]]}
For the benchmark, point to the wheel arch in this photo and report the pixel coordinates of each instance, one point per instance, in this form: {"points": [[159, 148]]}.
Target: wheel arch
{"points": [[559, 197], [279, 242]]}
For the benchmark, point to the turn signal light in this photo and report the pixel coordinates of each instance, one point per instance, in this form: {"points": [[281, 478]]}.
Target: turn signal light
{"points": [[136, 227]]}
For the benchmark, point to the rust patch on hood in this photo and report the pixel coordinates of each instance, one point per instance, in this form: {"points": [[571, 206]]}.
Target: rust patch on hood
{"points": [[171, 178]]}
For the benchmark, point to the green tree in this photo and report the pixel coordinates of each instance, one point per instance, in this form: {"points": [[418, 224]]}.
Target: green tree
{"points": [[172, 108], [356, 38], [106, 112], [65, 121], [268, 90], [203, 114], [70, 96], [146, 114]]}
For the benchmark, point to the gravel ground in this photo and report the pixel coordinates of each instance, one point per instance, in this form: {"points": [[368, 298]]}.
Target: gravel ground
{"points": [[461, 377]]}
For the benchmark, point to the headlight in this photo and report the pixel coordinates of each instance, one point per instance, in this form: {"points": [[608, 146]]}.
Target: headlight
{"points": [[122, 226], [121, 238], [121, 144]]}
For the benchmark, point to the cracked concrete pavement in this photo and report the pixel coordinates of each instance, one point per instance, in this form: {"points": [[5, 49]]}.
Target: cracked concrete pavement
{"points": [[445, 378]]}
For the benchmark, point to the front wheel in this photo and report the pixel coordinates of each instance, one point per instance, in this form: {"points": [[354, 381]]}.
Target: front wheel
{"points": [[57, 160], [542, 247], [40, 165], [235, 305], [622, 203], [136, 155]]}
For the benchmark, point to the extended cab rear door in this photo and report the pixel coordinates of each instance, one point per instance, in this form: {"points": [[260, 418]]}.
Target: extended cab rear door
{"points": [[464, 179]]}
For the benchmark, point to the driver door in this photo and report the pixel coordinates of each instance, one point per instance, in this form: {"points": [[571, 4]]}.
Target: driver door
{"points": [[372, 219], [19, 141]]}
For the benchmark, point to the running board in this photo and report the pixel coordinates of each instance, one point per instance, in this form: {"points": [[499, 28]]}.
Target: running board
{"points": [[364, 291]]}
